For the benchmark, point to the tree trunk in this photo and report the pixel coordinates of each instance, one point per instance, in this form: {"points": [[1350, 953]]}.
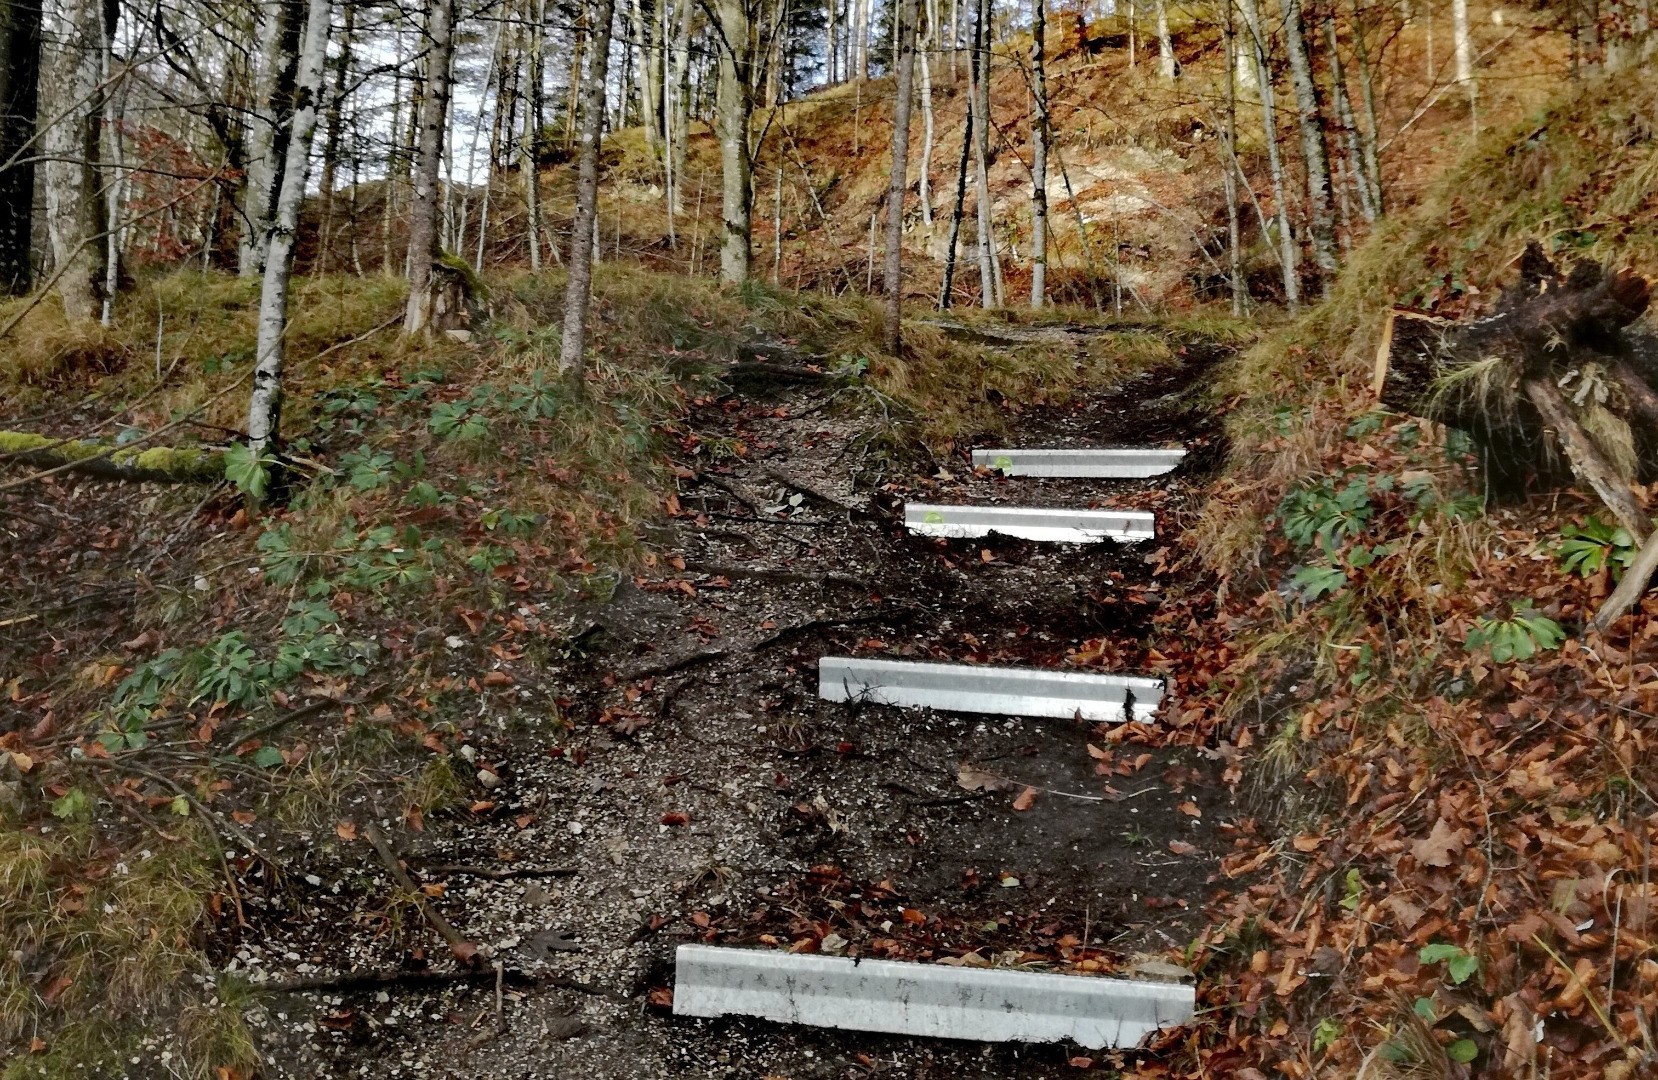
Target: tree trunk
{"points": [[530, 157], [682, 110], [1039, 157], [1275, 165], [905, 16], [1315, 156], [75, 208], [646, 87], [735, 107], [265, 402], [954, 245], [332, 127], [1464, 42], [1356, 167], [19, 75], [980, 91], [1367, 94], [579, 288], [1233, 232], [1166, 64], [924, 182], [426, 289], [278, 31]]}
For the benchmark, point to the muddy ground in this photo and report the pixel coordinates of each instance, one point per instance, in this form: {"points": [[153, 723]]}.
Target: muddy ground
{"points": [[695, 789]]}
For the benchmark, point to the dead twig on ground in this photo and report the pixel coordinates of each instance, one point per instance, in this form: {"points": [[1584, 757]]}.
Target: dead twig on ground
{"points": [[465, 951]]}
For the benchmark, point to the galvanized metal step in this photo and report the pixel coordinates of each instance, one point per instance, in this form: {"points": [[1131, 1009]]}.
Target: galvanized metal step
{"points": [[1126, 463], [930, 1000], [1030, 523], [999, 690]]}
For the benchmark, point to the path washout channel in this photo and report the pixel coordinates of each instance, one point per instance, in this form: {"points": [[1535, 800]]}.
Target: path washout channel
{"points": [[703, 792]]}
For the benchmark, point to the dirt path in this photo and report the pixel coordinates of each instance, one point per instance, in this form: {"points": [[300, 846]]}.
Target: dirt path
{"points": [[702, 792]]}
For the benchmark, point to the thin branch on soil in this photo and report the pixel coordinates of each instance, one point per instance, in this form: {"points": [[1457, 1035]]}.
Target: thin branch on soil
{"points": [[503, 874], [704, 656], [464, 950], [779, 476], [774, 574], [409, 980], [731, 489]]}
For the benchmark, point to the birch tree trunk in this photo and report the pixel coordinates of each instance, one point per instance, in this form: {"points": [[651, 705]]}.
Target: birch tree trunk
{"points": [[265, 402], [980, 91], [1316, 157], [277, 31], [19, 86], [1275, 164], [682, 110], [904, 28], [924, 185], [73, 99], [1039, 157], [579, 288], [1165, 45], [332, 129], [643, 37], [1368, 136], [1356, 167], [1229, 167], [735, 107], [1463, 43], [424, 207], [530, 158]]}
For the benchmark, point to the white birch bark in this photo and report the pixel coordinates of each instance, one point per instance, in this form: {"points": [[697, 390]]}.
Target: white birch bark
{"points": [[265, 402], [924, 186], [424, 206], [904, 19], [1314, 154], [1039, 156], [1275, 165], [734, 108], [72, 98], [1463, 42], [583, 239], [1165, 45], [980, 92]]}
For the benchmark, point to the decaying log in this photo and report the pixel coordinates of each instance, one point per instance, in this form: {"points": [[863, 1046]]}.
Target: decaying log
{"points": [[1587, 462], [156, 464], [1500, 378]]}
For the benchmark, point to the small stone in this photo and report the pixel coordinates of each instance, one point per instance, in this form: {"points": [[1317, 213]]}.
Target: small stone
{"points": [[577, 827], [832, 945], [488, 779]]}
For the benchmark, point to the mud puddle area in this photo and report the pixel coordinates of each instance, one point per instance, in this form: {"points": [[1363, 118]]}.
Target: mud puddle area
{"points": [[695, 788]]}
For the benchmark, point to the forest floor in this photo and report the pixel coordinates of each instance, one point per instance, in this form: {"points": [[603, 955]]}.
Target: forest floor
{"points": [[697, 789]]}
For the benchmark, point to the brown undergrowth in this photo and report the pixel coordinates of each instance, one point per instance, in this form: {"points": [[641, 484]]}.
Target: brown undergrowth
{"points": [[1449, 868]]}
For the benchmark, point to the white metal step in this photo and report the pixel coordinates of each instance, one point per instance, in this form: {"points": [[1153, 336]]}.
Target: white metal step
{"points": [[1129, 463], [1029, 523], [930, 1000], [978, 689]]}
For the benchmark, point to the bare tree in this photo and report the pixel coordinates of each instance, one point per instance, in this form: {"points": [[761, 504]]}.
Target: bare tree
{"points": [[1040, 136], [579, 288], [1269, 124], [72, 89], [734, 110], [924, 185], [1314, 154], [265, 402], [1166, 64], [277, 29], [905, 16], [979, 93], [425, 286]]}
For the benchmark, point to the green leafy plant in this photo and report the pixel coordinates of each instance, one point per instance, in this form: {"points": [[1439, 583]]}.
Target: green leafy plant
{"points": [[367, 470], [228, 670], [250, 472], [1519, 638], [282, 564], [1354, 890], [1316, 582], [1590, 546], [1460, 964], [1328, 1031], [1324, 515]]}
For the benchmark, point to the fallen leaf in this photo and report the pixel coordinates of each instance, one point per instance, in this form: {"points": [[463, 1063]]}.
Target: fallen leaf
{"points": [[676, 817], [346, 830], [1026, 799], [1442, 845], [1189, 808], [662, 997], [497, 678], [974, 778], [1181, 847]]}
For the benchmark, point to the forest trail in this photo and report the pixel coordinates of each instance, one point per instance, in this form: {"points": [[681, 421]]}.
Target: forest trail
{"points": [[702, 792]]}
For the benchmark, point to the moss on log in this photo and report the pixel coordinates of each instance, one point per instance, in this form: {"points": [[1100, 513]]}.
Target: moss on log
{"points": [[156, 464]]}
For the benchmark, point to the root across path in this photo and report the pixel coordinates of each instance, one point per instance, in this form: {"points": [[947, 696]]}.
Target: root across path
{"points": [[699, 791]]}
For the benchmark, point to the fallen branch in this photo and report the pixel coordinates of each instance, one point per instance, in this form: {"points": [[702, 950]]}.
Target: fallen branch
{"points": [[504, 874], [412, 980], [779, 476], [1588, 463], [158, 464], [465, 951], [1630, 589], [705, 655], [796, 577]]}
